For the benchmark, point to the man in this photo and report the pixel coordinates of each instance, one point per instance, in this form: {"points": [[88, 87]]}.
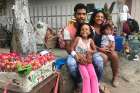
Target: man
{"points": [[80, 14]]}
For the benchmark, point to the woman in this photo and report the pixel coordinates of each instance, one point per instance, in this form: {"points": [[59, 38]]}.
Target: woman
{"points": [[96, 21]]}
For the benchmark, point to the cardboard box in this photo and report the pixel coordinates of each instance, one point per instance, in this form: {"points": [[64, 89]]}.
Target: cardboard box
{"points": [[25, 84]]}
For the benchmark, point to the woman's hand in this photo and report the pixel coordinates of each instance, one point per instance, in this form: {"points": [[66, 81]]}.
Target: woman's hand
{"points": [[105, 50], [112, 49]]}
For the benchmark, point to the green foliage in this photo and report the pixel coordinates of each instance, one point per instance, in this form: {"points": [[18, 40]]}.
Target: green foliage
{"points": [[24, 70], [108, 10]]}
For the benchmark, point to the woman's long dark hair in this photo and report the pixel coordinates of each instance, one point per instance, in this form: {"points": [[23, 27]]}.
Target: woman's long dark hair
{"points": [[95, 12], [79, 30]]}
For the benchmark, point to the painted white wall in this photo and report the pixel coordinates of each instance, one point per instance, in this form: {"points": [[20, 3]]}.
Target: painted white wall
{"points": [[65, 4]]}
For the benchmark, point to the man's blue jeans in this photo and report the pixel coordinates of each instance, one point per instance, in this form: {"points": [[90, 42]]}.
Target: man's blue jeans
{"points": [[73, 68]]}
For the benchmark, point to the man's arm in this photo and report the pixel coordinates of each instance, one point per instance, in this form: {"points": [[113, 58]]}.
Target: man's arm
{"points": [[73, 45], [67, 35], [68, 46], [67, 40]]}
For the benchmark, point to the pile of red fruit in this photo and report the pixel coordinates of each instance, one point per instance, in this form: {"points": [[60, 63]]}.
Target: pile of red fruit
{"points": [[9, 61]]}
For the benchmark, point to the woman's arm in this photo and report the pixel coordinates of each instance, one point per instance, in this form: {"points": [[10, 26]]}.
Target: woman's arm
{"points": [[95, 48], [104, 50], [112, 48], [112, 42]]}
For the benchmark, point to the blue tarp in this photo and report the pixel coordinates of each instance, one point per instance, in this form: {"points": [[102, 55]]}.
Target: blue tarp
{"points": [[59, 63], [119, 43]]}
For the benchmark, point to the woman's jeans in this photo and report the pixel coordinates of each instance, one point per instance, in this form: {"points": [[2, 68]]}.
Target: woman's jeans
{"points": [[98, 65], [73, 68]]}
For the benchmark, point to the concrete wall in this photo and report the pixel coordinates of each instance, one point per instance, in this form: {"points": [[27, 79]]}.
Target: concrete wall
{"points": [[134, 11]]}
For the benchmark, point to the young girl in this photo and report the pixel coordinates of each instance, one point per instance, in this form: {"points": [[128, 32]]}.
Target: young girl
{"points": [[108, 40], [82, 49]]}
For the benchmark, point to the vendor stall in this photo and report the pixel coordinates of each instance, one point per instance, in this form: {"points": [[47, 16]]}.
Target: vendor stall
{"points": [[23, 74]]}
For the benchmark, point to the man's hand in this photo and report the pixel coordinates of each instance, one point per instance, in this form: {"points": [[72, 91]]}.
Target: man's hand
{"points": [[89, 57], [81, 58], [77, 57]]}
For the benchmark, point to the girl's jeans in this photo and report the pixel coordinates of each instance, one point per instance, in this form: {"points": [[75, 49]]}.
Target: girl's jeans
{"points": [[89, 78], [73, 68]]}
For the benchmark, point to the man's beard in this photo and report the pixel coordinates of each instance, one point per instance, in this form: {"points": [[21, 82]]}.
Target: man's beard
{"points": [[80, 21]]}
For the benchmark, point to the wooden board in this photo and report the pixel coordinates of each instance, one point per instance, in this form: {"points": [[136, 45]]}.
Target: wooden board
{"points": [[46, 86]]}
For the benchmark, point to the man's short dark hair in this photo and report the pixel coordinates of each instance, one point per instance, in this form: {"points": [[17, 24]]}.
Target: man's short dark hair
{"points": [[79, 6]]}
